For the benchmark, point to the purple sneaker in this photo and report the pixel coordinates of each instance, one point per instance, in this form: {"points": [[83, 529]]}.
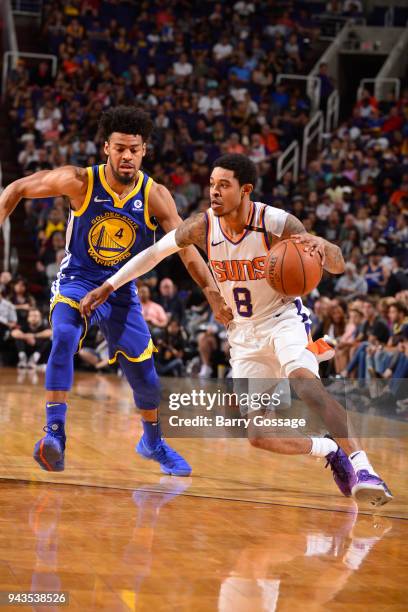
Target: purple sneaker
{"points": [[371, 489], [343, 471]]}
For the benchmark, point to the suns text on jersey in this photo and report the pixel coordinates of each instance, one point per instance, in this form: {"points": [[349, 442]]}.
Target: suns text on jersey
{"points": [[239, 269]]}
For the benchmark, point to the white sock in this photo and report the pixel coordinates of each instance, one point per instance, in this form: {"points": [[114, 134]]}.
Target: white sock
{"points": [[360, 461], [321, 447]]}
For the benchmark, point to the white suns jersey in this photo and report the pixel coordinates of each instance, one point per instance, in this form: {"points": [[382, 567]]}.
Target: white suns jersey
{"points": [[238, 263]]}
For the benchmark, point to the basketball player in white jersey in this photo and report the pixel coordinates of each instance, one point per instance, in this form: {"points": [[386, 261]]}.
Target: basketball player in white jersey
{"points": [[269, 333]]}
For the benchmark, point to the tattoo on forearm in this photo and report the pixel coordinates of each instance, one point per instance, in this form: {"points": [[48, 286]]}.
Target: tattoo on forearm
{"points": [[192, 231], [292, 226], [334, 261]]}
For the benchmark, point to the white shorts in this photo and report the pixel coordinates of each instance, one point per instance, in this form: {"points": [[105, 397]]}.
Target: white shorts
{"points": [[273, 347]]}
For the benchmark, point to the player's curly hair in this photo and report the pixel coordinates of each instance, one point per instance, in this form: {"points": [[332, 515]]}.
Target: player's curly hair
{"points": [[126, 120], [243, 168]]}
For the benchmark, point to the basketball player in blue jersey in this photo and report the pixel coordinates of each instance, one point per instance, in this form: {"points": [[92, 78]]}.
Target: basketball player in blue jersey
{"points": [[269, 333], [111, 211]]}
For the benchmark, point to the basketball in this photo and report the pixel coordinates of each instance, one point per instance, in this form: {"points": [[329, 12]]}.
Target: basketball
{"points": [[290, 270]]}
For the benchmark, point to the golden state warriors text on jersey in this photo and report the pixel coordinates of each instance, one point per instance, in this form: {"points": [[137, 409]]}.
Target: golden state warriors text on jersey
{"points": [[107, 230]]}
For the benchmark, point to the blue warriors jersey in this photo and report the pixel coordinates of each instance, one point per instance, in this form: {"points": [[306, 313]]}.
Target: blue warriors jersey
{"points": [[106, 231]]}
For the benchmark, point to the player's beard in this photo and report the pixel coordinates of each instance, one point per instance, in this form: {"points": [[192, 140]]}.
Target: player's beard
{"points": [[126, 179]]}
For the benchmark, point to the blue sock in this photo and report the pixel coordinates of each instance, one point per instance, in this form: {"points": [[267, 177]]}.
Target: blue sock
{"points": [[56, 414], [152, 432]]}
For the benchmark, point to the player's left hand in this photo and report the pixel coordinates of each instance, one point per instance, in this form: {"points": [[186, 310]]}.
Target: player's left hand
{"points": [[222, 312], [312, 244], [94, 298]]}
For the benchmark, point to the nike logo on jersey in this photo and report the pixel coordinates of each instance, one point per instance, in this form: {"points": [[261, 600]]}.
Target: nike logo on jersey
{"points": [[216, 243], [98, 199]]}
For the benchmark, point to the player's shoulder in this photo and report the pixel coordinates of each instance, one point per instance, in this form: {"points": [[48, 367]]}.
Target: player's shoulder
{"points": [[157, 189], [270, 210], [74, 178], [75, 171]]}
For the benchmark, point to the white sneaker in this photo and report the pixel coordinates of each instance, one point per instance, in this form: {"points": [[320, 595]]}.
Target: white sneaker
{"points": [[205, 371], [22, 361], [34, 359]]}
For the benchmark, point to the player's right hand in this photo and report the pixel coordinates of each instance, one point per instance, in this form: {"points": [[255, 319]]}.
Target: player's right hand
{"points": [[95, 298]]}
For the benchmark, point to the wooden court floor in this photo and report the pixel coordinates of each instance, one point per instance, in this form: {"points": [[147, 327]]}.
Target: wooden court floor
{"points": [[248, 531]]}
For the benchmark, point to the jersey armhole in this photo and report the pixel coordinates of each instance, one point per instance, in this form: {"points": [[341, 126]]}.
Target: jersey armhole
{"points": [[207, 233], [147, 218], [265, 232], [89, 190]]}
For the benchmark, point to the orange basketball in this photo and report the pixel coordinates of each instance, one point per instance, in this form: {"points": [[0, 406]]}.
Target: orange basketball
{"points": [[291, 271]]}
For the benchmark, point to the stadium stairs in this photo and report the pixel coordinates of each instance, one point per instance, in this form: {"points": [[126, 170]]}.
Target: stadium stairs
{"points": [[27, 38]]}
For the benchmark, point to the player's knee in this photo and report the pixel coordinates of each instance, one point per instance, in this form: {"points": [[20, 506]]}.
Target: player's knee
{"points": [[301, 367], [144, 381], [65, 338], [206, 341]]}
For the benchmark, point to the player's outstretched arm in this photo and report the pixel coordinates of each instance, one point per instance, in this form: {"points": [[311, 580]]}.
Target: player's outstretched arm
{"points": [[331, 254], [163, 207], [192, 231], [65, 181]]}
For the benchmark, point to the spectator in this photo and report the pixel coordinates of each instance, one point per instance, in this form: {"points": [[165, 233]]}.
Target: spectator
{"points": [[210, 101], [96, 358], [375, 333], [8, 322], [169, 299], [55, 223], [182, 68], [32, 340], [352, 334], [223, 49], [23, 301], [153, 313], [171, 346], [374, 274], [398, 317], [351, 284], [5, 283]]}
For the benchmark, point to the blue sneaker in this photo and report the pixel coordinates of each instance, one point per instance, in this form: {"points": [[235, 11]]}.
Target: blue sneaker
{"points": [[170, 461], [49, 451]]}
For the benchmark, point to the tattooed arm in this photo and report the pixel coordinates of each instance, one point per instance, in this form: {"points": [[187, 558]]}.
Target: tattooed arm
{"points": [[163, 208], [331, 254]]}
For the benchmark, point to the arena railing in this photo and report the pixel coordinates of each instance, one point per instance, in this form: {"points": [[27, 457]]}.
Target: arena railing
{"points": [[31, 8], [288, 160], [313, 86], [389, 17], [6, 229], [332, 111], [11, 58], [331, 25], [9, 31], [314, 129], [378, 85]]}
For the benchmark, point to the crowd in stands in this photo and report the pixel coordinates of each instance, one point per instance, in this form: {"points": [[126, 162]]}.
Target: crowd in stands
{"points": [[207, 73]]}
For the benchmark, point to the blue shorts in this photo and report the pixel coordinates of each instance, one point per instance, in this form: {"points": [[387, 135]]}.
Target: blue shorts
{"points": [[119, 318]]}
